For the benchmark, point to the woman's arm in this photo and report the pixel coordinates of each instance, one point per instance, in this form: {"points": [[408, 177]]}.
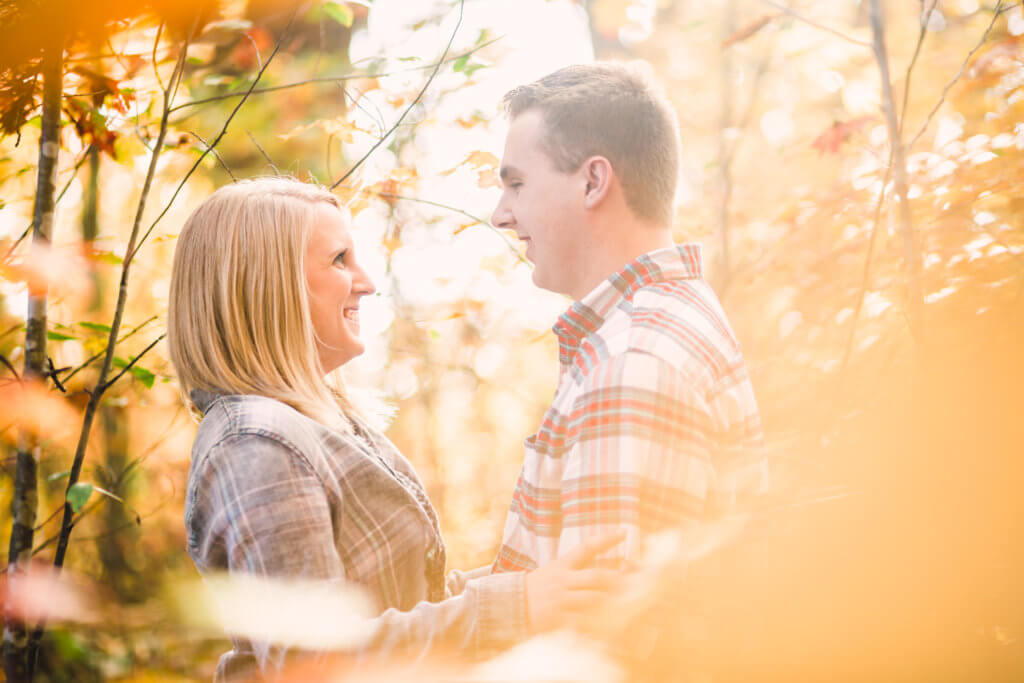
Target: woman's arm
{"points": [[257, 506]]}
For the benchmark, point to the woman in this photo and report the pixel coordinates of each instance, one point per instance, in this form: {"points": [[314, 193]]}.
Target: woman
{"points": [[287, 478]]}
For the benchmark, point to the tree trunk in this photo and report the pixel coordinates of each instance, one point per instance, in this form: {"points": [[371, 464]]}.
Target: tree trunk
{"points": [[911, 253], [23, 506]]}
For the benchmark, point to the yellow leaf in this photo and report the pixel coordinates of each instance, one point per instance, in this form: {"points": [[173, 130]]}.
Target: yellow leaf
{"points": [[464, 226], [478, 160], [487, 177]]}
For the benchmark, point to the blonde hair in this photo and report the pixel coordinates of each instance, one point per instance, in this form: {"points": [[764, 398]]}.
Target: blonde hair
{"points": [[239, 318]]}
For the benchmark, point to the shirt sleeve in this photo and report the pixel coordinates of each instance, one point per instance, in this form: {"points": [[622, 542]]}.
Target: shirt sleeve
{"points": [[260, 508], [641, 457]]}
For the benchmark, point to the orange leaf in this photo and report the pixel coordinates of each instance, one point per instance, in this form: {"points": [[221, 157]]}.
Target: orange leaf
{"points": [[838, 133]]}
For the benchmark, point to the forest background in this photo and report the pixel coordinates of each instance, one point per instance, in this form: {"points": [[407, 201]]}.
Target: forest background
{"points": [[849, 167]]}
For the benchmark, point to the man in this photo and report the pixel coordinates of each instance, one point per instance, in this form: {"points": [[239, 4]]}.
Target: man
{"points": [[654, 415]]}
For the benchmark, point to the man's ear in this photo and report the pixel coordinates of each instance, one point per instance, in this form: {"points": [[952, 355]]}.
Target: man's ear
{"points": [[599, 175]]}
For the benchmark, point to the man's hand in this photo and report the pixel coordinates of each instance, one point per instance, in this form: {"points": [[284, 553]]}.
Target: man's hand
{"points": [[565, 587]]}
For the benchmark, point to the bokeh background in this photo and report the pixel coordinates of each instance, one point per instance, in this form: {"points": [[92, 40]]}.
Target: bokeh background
{"points": [[889, 545]]}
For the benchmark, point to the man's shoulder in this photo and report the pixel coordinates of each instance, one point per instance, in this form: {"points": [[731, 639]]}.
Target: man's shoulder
{"points": [[679, 322]]}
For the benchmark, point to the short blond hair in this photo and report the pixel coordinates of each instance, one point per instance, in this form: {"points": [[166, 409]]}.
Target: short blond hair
{"points": [[614, 110], [238, 317]]}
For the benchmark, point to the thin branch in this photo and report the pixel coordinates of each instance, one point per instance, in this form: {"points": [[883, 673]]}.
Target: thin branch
{"points": [[122, 295], [96, 356], [408, 109], [963, 67], [811, 22], [263, 152], [51, 372], [214, 152], [453, 209], [130, 364], [898, 165], [74, 174], [866, 273], [925, 20], [330, 79], [156, 44], [7, 364], [256, 49], [286, 33], [13, 328]]}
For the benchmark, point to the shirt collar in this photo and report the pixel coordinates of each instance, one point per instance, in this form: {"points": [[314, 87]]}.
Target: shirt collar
{"points": [[203, 399], [678, 262]]}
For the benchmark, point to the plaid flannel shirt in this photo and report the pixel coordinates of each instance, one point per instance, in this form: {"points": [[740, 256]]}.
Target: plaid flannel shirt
{"points": [[274, 493], [653, 424]]}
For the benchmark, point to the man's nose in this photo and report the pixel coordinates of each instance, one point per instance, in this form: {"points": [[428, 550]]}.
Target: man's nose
{"points": [[502, 216]]}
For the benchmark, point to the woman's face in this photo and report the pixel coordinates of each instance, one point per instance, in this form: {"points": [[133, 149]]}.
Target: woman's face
{"points": [[336, 283]]}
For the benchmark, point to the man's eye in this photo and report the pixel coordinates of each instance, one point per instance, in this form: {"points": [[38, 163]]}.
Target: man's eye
{"points": [[339, 260]]}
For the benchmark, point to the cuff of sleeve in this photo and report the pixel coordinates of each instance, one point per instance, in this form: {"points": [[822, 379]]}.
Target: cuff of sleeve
{"points": [[501, 610]]}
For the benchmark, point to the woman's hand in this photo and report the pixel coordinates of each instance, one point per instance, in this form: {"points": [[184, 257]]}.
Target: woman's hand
{"points": [[564, 587]]}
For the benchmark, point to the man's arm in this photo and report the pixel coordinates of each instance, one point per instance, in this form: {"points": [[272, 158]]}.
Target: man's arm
{"points": [[644, 438]]}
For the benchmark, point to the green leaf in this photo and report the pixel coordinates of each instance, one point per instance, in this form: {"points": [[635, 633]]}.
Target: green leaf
{"points": [[107, 256], [473, 68], [195, 61], [95, 327], [58, 475], [144, 376], [434, 334], [57, 336], [78, 495], [340, 12], [461, 63]]}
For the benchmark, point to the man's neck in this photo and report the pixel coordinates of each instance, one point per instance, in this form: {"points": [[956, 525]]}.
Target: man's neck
{"points": [[608, 254]]}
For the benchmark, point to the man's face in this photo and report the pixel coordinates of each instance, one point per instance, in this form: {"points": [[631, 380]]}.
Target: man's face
{"points": [[543, 205]]}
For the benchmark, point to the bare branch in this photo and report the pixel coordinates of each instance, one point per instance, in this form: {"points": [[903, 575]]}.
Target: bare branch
{"points": [[453, 209], [214, 152], [96, 356], [7, 364], [811, 22], [287, 32], [898, 166], [130, 364], [925, 19], [876, 219], [74, 174], [963, 67], [156, 44], [330, 79], [263, 152], [408, 109]]}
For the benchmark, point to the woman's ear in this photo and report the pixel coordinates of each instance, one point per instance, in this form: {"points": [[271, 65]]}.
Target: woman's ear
{"points": [[598, 173]]}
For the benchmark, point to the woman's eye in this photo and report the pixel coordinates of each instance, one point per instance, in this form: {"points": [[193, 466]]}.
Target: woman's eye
{"points": [[339, 260]]}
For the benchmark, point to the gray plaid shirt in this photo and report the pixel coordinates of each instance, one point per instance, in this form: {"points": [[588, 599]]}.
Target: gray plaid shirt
{"points": [[274, 493]]}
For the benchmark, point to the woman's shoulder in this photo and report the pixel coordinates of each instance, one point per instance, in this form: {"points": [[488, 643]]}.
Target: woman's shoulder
{"points": [[238, 418]]}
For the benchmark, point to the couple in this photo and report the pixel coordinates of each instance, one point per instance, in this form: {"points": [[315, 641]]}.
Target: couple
{"points": [[652, 413]]}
